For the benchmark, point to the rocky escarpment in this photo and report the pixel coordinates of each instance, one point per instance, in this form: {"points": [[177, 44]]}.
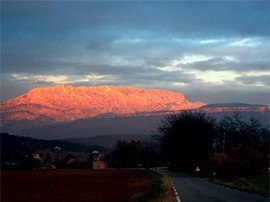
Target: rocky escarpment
{"points": [[67, 103]]}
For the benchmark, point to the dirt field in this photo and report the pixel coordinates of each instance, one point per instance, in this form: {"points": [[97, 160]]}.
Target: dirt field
{"points": [[73, 185]]}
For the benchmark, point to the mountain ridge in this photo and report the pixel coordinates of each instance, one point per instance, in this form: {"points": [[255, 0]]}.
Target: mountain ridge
{"points": [[66, 103], [232, 104], [59, 112]]}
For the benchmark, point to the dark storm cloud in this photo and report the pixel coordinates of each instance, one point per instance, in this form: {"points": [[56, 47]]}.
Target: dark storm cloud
{"points": [[239, 18], [60, 19], [55, 29]]}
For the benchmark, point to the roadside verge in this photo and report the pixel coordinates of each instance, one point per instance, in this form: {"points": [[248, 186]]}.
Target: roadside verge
{"points": [[169, 193]]}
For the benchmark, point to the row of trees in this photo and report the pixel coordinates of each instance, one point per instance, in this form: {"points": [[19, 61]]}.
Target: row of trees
{"points": [[230, 147], [241, 148], [134, 154]]}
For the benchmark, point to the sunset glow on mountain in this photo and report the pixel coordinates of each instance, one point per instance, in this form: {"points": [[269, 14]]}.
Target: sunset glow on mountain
{"points": [[66, 103]]}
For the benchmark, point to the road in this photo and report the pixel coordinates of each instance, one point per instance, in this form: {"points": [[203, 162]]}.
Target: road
{"points": [[197, 189]]}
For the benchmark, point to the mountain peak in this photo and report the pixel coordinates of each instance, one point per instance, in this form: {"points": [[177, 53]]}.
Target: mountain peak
{"points": [[66, 103]]}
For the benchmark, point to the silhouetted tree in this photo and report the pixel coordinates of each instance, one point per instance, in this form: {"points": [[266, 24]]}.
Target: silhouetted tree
{"points": [[132, 154], [243, 145], [187, 139]]}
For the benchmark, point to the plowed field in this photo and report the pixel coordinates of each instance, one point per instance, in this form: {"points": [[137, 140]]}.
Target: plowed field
{"points": [[73, 185]]}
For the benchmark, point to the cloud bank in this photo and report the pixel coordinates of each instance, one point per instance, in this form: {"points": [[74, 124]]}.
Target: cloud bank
{"points": [[212, 51]]}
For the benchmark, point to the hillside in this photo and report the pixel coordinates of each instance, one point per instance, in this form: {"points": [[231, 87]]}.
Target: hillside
{"points": [[109, 141], [10, 142], [229, 107], [67, 103], [19, 152]]}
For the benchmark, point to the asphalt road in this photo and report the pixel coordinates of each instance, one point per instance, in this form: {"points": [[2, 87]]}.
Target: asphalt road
{"points": [[197, 189]]}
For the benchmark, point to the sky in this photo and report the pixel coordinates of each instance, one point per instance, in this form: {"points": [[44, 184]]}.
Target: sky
{"points": [[212, 51]]}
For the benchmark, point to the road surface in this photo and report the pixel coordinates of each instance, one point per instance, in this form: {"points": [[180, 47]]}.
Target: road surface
{"points": [[197, 189]]}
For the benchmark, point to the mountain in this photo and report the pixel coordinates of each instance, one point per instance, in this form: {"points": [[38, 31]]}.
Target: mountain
{"points": [[66, 103], [234, 106], [247, 111], [76, 112]]}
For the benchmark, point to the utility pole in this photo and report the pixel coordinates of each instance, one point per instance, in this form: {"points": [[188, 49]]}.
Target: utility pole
{"points": [[224, 139], [223, 149]]}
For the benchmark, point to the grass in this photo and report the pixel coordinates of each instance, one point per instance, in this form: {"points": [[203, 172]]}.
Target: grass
{"points": [[155, 191], [256, 184]]}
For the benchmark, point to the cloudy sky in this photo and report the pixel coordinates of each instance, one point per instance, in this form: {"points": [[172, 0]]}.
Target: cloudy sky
{"points": [[212, 51]]}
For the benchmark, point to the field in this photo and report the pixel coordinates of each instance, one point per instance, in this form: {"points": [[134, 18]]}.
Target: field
{"points": [[74, 185]]}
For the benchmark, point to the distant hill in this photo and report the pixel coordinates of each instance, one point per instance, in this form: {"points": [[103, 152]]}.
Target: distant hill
{"points": [[30, 153], [109, 141], [217, 105], [89, 127], [17, 143], [237, 107]]}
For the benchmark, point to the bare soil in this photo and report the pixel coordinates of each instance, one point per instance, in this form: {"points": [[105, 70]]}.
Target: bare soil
{"points": [[74, 185]]}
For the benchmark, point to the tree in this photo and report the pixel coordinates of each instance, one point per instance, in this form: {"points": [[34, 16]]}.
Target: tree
{"points": [[131, 154], [187, 139], [245, 145]]}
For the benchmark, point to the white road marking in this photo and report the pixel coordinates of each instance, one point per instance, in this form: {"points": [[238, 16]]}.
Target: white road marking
{"points": [[176, 194]]}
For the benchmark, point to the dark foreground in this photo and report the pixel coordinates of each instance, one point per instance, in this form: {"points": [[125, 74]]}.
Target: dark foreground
{"points": [[195, 189], [73, 185]]}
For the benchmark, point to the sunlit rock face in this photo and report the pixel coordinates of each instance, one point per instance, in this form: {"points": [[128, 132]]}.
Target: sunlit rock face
{"points": [[67, 103]]}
